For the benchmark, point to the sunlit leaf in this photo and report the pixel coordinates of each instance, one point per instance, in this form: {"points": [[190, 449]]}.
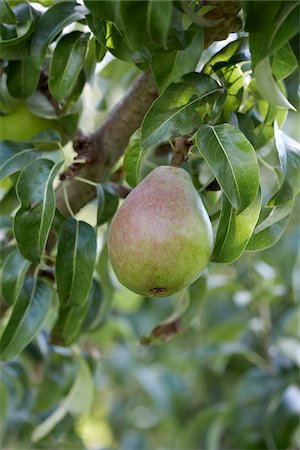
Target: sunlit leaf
{"points": [[181, 109]]}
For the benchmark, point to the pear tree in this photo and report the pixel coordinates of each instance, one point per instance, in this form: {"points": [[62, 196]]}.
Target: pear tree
{"points": [[135, 141]]}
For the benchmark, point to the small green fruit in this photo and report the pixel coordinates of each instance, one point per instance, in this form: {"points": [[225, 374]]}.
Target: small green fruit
{"points": [[160, 239]]}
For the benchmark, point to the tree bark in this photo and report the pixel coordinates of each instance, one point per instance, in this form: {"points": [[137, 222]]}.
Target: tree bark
{"points": [[105, 146]]}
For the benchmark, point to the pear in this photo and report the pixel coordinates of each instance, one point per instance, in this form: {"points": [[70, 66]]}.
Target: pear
{"points": [[160, 239]]}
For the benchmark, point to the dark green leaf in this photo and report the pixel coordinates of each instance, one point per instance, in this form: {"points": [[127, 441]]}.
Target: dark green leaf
{"points": [[170, 67], [106, 9], [232, 160], [260, 14], [9, 201], [14, 156], [29, 312], [94, 304], [47, 140], [6, 13], [291, 183], [66, 63], [246, 125], [22, 78], [133, 156], [269, 231], [117, 46], [108, 202], [75, 261], [284, 62], [33, 219], [269, 38], [50, 24], [234, 230], [133, 21], [98, 27], [159, 19], [104, 274], [12, 276], [173, 115], [15, 46]]}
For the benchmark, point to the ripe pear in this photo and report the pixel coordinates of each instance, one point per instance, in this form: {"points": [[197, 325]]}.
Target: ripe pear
{"points": [[160, 239]]}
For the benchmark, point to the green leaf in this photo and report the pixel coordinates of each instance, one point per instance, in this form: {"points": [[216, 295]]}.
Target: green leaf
{"points": [[47, 140], [98, 27], [133, 23], [78, 401], [14, 156], [234, 52], [234, 83], [133, 157], [15, 46], [106, 9], [159, 15], [290, 185], [29, 312], [50, 24], [181, 109], [22, 78], [232, 160], [265, 40], [259, 14], [269, 231], [6, 13], [267, 85], [284, 62], [234, 230], [107, 203], [117, 46], [95, 301], [281, 151], [169, 67], [75, 261], [12, 276], [66, 64], [104, 274], [33, 219]]}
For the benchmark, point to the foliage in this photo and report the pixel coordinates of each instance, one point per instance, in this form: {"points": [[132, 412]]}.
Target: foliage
{"points": [[226, 374]]}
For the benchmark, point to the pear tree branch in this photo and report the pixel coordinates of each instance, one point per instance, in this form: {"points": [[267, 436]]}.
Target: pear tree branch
{"points": [[105, 146]]}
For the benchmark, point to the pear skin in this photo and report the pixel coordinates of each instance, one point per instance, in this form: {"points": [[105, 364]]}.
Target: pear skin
{"points": [[161, 238]]}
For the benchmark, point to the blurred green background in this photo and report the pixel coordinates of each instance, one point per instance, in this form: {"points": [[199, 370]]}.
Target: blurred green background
{"points": [[229, 379]]}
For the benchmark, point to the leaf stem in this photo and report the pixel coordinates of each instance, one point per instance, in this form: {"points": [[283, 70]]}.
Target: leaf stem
{"points": [[70, 211], [85, 180]]}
